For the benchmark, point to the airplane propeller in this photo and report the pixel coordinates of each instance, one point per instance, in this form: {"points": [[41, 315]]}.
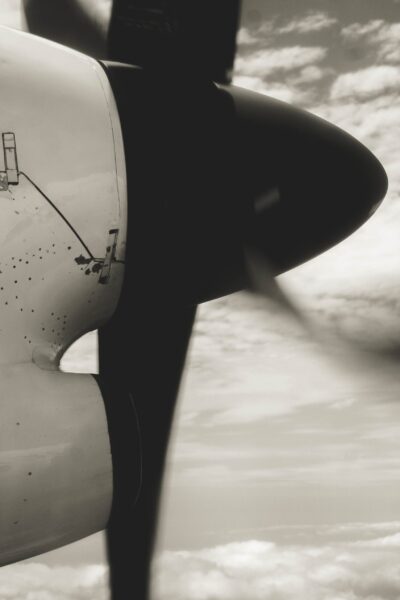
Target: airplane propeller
{"points": [[226, 189]]}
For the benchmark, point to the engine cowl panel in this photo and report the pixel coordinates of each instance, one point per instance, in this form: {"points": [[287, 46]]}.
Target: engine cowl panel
{"points": [[56, 476], [62, 199], [62, 251]]}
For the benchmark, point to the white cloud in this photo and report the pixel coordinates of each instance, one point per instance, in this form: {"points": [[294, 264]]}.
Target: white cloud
{"points": [[390, 541], [376, 34], [367, 83], [290, 74], [310, 74], [246, 38], [82, 356], [261, 570], [263, 63], [37, 581], [310, 24], [387, 40], [358, 31]]}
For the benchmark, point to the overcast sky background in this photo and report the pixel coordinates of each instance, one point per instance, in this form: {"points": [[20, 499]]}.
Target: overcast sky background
{"points": [[283, 478]]}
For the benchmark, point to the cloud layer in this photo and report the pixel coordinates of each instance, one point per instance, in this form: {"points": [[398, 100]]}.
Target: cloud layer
{"points": [[263, 570], [37, 581], [367, 83], [317, 21], [271, 60], [353, 561]]}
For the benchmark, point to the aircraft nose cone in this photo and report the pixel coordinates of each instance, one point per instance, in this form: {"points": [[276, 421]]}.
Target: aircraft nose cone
{"points": [[311, 184]]}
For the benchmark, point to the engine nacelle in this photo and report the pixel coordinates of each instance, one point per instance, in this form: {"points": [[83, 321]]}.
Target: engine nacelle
{"points": [[62, 249]]}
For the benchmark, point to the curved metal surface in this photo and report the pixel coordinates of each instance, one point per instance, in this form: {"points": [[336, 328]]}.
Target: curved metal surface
{"points": [[62, 249], [55, 461], [63, 206]]}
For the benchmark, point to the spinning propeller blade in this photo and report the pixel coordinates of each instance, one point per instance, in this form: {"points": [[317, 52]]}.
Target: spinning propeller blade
{"points": [[339, 345], [198, 38], [142, 352], [80, 24], [262, 282]]}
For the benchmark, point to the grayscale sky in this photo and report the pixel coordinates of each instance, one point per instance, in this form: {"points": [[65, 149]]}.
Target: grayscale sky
{"points": [[283, 473]]}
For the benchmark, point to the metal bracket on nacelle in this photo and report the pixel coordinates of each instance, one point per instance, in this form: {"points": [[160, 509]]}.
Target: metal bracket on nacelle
{"points": [[110, 256], [10, 175]]}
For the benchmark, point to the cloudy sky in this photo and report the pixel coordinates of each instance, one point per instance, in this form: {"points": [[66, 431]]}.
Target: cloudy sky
{"points": [[283, 473]]}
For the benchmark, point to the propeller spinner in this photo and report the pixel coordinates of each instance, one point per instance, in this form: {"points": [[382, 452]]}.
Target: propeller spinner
{"points": [[212, 170]]}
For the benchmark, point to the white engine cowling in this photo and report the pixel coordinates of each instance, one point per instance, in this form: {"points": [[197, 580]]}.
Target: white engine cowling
{"points": [[63, 219], [55, 460]]}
